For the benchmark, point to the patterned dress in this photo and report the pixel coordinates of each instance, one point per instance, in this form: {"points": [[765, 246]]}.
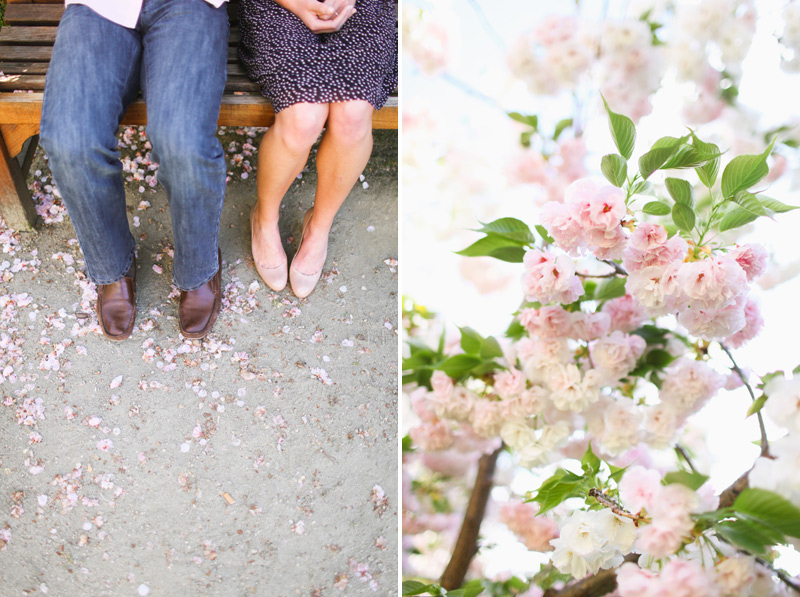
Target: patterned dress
{"points": [[292, 65]]}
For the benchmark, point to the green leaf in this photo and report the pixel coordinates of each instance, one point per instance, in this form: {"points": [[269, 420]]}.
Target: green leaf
{"points": [[680, 190], [774, 205], [659, 358], [459, 365], [744, 171], [623, 131], [408, 444], [590, 461], [531, 119], [491, 348], [735, 218], [493, 245], [683, 216], [709, 171], [485, 367], [414, 587], [611, 288], [561, 126], [656, 208], [562, 485], [691, 480], [689, 157], [515, 330], [662, 150], [750, 536], [614, 168], [652, 334], [616, 472], [757, 405], [770, 509], [471, 340], [749, 202], [509, 254], [544, 234], [509, 228]]}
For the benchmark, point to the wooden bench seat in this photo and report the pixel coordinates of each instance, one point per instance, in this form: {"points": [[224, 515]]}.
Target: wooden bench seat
{"points": [[26, 45]]}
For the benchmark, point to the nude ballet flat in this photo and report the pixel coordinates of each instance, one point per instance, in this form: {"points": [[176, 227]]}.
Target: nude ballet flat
{"points": [[274, 277], [303, 284]]}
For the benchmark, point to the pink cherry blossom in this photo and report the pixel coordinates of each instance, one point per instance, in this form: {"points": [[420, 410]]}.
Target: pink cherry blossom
{"points": [[751, 258], [547, 322], [510, 383], [561, 222], [550, 278], [639, 488], [753, 322], [633, 581], [432, 436], [626, 313], [589, 326], [714, 324], [712, 283]]}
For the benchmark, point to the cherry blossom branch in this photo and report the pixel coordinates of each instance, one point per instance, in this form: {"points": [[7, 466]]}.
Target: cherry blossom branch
{"points": [[685, 455], [582, 275], [467, 543], [615, 507], [618, 269], [781, 574], [743, 377], [602, 583]]}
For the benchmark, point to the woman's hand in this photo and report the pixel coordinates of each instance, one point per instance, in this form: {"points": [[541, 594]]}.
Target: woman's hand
{"points": [[321, 17]]}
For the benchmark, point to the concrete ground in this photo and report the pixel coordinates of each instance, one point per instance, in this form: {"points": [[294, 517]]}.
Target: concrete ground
{"points": [[261, 461]]}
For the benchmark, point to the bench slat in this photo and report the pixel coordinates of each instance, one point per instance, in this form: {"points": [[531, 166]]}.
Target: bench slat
{"points": [[236, 110], [10, 82], [40, 35], [24, 68], [40, 68], [28, 34], [44, 53], [33, 13]]}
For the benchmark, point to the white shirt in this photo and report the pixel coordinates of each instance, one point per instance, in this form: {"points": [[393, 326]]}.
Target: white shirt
{"points": [[122, 12]]}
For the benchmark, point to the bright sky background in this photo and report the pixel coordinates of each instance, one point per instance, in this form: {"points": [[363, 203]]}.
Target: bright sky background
{"points": [[431, 271]]}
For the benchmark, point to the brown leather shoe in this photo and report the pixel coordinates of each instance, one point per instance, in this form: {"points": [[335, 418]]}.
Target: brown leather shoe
{"points": [[116, 306], [199, 308]]}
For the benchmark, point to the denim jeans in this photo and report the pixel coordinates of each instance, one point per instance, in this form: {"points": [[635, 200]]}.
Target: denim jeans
{"points": [[177, 56]]}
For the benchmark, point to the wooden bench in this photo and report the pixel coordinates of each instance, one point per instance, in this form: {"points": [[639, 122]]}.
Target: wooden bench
{"points": [[26, 44]]}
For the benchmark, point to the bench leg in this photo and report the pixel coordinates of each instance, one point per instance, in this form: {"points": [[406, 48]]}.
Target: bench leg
{"points": [[16, 204]]}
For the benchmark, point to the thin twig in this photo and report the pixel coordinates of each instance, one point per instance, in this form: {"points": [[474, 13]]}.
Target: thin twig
{"points": [[743, 377], [467, 543], [614, 506], [469, 90], [488, 26], [685, 455], [781, 574], [582, 275], [617, 267]]}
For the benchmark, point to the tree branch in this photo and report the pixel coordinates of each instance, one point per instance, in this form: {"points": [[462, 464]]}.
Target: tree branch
{"points": [[602, 583], [467, 543], [743, 377], [618, 269]]}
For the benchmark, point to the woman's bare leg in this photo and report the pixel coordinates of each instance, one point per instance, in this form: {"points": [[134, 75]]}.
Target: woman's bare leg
{"points": [[342, 156], [282, 155]]}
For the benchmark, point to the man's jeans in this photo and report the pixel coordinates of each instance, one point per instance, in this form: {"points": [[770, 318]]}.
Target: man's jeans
{"points": [[177, 56]]}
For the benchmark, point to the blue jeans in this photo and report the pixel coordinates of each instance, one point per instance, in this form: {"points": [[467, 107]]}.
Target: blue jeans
{"points": [[177, 56]]}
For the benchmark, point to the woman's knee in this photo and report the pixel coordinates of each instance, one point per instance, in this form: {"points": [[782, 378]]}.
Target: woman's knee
{"points": [[300, 125], [351, 122]]}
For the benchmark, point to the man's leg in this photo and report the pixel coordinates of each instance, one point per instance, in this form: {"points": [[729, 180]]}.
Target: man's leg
{"points": [[184, 66], [93, 76]]}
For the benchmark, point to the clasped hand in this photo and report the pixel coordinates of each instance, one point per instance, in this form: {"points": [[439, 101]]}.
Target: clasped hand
{"points": [[322, 17]]}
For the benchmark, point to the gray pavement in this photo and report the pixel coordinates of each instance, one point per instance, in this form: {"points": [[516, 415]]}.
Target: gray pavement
{"points": [[261, 461]]}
